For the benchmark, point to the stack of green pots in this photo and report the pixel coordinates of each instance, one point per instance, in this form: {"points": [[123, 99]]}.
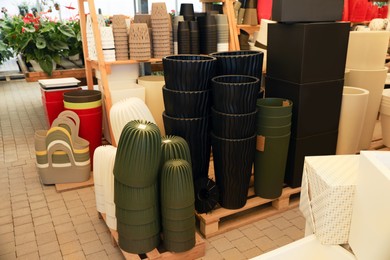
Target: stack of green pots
{"points": [[273, 138], [136, 169], [177, 205], [174, 147]]}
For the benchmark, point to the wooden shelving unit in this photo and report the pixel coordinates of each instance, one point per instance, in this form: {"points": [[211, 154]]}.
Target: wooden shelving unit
{"points": [[100, 64], [234, 28]]}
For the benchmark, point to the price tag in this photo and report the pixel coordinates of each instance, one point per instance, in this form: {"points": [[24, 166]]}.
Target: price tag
{"points": [[260, 143]]}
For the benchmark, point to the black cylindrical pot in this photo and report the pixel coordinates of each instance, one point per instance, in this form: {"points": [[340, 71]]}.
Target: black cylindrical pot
{"points": [[177, 187], [196, 132], [82, 96], [188, 72], [187, 104], [137, 159], [235, 94], [183, 36], [233, 126], [187, 10], [239, 63], [207, 34], [270, 166], [233, 159]]}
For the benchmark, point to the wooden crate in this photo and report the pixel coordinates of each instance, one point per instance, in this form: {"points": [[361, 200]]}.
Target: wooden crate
{"points": [[197, 251]]}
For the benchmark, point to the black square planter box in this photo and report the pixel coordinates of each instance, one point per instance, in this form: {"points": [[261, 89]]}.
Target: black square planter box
{"points": [[307, 52], [307, 10], [323, 144], [316, 106]]}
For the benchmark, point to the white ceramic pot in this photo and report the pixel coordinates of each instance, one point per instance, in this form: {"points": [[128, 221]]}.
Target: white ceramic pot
{"points": [[374, 82], [352, 113], [154, 98], [367, 50], [108, 179]]}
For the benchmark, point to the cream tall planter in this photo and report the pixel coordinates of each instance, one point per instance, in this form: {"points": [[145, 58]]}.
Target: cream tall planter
{"points": [[353, 111], [385, 117], [154, 98], [374, 82], [367, 49]]}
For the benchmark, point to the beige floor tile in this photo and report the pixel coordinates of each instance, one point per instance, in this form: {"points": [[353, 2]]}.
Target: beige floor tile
{"points": [[64, 228], [299, 222], [22, 220], [41, 229], [105, 237], [284, 240], [48, 248], [64, 238], [222, 244], [26, 248], [21, 212], [37, 198], [61, 219], [5, 220], [40, 212], [7, 237], [19, 230], [273, 232], [263, 224], [76, 211], [243, 244], [42, 220], [98, 255], [6, 248], [85, 227], [118, 256], [101, 227], [80, 219], [92, 247], [24, 237], [30, 256], [255, 251], [293, 232], [46, 237], [252, 232], [70, 247], [233, 234], [232, 254], [281, 223], [212, 254], [74, 203], [59, 211], [75, 256], [56, 204], [111, 248], [10, 256], [265, 243], [88, 237], [20, 205], [53, 256]]}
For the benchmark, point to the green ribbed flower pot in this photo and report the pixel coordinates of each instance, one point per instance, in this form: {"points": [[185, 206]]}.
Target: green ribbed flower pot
{"points": [[174, 246], [273, 131], [179, 236], [177, 188], [270, 166], [138, 232], [178, 225], [273, 121], [137, 217], [178, 214], [139, 246], [138, 156], [130, 198], [174, 147]]}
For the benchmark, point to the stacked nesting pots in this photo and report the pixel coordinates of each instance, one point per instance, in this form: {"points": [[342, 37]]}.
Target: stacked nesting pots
{"points": [[136, 187], [233, 136], [385, 117], [161, 30], [139, 42], [207, 34], [273, 138], [87, 104], [187, 96], [177, 205]]}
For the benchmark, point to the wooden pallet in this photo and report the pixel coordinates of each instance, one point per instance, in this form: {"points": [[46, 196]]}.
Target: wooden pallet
{"points": [[222, 220], [60, 187], [199, 250]]}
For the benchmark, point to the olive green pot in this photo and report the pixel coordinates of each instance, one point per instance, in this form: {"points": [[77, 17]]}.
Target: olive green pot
{"points": [[273, 107]]}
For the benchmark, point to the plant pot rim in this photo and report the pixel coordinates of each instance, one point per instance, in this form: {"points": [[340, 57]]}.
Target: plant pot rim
{"points": [[236, 53], [254, 79], [185, 91], [232, 140], [187, 58], [185, 118], [233, 115]]}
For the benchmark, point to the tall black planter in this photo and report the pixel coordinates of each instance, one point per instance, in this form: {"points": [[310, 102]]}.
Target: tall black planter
{"points": [[196, 132], [239, 63], [235, 94], [188, 72], [233, 160]]}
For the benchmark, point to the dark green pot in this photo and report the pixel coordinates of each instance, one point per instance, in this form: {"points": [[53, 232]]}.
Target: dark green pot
{"points": [[270, 166], [273, 121], [138, 156], [178, 247], [138, 246], [137, 217], [178, 214], [137, 232], [179, 236], [130, 198], [177, 188], [178, 225], [174, 147], [273, 107], [273, 131]]}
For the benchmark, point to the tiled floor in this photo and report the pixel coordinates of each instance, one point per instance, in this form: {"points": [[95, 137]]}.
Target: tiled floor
{"points": [[36, 222]]}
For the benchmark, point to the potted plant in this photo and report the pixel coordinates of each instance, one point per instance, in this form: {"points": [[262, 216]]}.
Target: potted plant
{"points": [[38, 39]]}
